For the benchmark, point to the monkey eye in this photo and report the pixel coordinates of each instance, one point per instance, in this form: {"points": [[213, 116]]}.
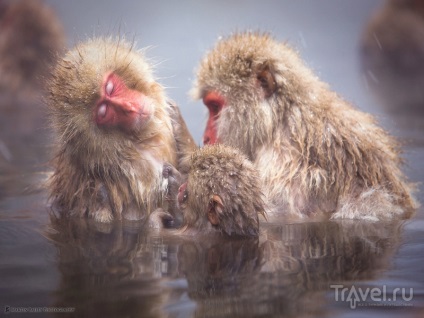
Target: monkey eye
{"points": [[101, 112], [109, 87], [214, 102], [214, 107]]}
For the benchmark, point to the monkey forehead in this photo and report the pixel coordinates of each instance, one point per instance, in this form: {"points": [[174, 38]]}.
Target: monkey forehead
{"points": [[235, 58], [89, 61], [75, 85], [221, 165], [235, 61], [217, 153]]}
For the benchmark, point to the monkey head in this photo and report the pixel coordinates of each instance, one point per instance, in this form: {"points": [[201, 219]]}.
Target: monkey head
{"points": [[247, 81], [222, 193], [103, 96]]}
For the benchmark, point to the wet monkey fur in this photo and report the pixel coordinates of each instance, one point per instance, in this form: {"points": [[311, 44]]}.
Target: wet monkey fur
{"points": [[221, 193], [317, 155], [114, 133]]}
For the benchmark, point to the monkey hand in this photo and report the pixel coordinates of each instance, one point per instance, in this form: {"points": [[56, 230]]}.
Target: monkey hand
{"points": [[174, 113], [160, 219], [183, 139], [178, 123], [173, 179]]}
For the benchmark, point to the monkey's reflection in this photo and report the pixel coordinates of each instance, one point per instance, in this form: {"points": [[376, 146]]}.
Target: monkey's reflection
{"points": [[121, 269], [108, 269], [289, 271], [218, 267]]}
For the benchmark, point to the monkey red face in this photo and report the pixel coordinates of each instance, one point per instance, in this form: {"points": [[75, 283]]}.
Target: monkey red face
{"points": [[120, 106], [215, 103]]}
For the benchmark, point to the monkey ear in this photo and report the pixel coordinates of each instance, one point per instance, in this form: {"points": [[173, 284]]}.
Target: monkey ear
{"points": [[266, 79], [216, 208]]}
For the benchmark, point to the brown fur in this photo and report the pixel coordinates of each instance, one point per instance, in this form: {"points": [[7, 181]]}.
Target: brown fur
{"points": [[186, 145], [392, 56], [30, 38], [223, 182], [106, 174], [317, 155]]}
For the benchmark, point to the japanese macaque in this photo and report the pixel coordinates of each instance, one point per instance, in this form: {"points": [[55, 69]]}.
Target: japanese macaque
{"points": [[113, 131], [222, 193], [392, 56], [30, 38], [317, 155]]}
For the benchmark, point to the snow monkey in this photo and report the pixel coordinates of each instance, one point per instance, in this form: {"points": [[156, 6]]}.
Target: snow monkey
{"points": [[114, 133], [317, 155], [222, 193]]}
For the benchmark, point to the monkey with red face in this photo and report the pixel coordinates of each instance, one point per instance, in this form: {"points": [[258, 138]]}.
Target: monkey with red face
{"points": [[113, 130], [317, 155]]}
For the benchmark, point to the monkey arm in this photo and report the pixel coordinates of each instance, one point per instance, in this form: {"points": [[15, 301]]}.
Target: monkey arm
{"points": [[174, 179], [172, 216], [184, 141]]}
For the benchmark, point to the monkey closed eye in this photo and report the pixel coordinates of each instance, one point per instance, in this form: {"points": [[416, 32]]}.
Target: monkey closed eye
{"points": [[109, 88], [214, 102]]}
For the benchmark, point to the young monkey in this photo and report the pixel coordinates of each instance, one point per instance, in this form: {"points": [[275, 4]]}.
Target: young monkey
{"points": [[317, 155], [222, 193], [113, 133]]}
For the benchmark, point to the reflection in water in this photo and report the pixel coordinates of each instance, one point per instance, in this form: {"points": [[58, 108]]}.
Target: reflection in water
{"points": [[108, 269], [125, 270], [290, 271]]}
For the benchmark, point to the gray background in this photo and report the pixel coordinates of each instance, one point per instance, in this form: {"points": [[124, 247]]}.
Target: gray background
{"points": [[325, 32]]}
